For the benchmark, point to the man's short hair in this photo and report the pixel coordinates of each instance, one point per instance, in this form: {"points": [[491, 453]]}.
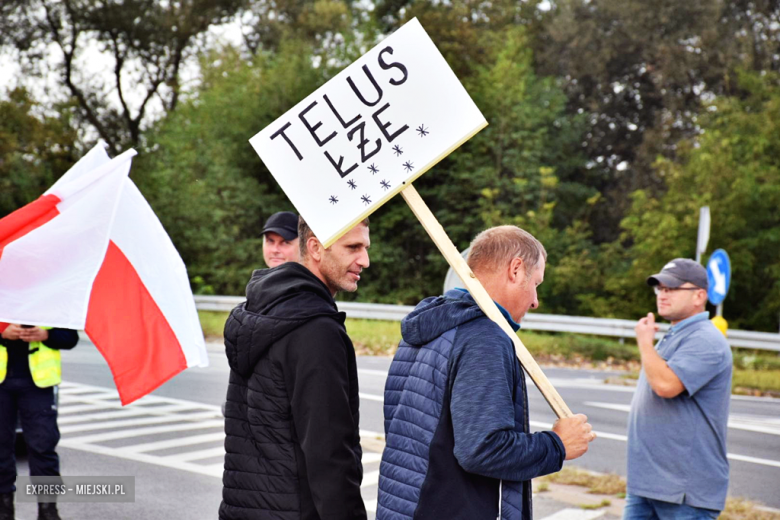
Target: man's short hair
{"points": [[305, 233], [495, 247]]}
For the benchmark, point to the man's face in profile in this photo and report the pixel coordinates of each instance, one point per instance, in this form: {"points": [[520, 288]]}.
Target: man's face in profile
{"points": [[343, 261]]}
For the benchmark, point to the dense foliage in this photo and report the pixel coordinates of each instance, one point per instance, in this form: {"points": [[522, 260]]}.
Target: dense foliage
{"points": [[611, 123]]}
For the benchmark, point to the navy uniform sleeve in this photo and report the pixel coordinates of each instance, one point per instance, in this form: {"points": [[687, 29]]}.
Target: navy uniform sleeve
{"points": [[483, 415], [62, 339], [317, 380]]}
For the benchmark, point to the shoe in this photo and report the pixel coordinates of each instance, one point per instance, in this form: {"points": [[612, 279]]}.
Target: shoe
{"points": [[6, 506], [48, 511]]}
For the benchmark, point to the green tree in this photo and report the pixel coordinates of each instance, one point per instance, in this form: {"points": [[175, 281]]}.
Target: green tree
{"points": [[733, 168], [146, 44], [35, 149], [203, 178], [509, 173], [322, 23], [641, 72], [457, 26]]}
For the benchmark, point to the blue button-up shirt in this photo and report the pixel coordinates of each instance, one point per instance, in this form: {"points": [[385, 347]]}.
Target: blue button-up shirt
{"points": [[677, 446]]}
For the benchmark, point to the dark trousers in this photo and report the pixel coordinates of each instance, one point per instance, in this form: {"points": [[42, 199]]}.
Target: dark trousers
{"points": [[38, 413]]}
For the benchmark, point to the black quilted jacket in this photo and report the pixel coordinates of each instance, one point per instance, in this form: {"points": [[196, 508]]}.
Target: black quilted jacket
{"points": [[291, 419]]}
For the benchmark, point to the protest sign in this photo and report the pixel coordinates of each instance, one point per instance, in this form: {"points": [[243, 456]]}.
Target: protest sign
{"points": [[364, 136], [358, 140]]}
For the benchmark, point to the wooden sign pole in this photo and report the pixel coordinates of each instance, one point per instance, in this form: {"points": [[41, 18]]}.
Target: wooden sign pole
{"points": [[483, 299]]}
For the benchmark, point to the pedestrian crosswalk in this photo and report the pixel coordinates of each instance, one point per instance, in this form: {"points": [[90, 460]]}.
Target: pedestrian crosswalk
{"points": [[183, 435], [168, 432], [158, 430]]}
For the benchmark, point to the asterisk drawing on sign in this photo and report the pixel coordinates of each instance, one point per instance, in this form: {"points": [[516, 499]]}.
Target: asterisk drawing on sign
{"points": [[397, 150], [385, 184], [408, 166], [352, 184], [422, 130], [333, 199], [373, 169], [366, 199]]}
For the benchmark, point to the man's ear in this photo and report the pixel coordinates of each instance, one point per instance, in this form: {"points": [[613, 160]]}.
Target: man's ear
{"points": [[315, 249], [702, 297], [516, 270]]}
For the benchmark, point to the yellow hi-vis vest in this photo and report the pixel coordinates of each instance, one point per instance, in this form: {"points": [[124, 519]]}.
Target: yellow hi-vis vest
{"points": [[45, 365]]}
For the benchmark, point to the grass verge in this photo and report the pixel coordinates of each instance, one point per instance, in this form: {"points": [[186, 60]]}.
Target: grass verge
{"points": [[741, 509], [755, 372], [212, 323], [752, 382], [736, 508], [597, 484]]}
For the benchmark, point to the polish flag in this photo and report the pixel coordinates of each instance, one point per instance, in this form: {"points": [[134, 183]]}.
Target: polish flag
{"points": [[90, 254]]}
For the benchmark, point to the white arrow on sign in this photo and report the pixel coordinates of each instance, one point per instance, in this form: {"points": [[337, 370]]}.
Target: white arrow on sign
{"points": [[720, 278]]}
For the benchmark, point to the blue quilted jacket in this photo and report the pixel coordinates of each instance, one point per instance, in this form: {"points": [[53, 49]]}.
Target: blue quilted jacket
{"points": [[456, 420]]}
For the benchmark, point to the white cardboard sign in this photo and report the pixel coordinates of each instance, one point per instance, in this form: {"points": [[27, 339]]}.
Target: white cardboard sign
{"points": [[358, 140]]}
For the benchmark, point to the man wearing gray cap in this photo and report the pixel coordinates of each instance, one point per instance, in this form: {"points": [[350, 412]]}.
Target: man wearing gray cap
{"points": [[677, 466]]}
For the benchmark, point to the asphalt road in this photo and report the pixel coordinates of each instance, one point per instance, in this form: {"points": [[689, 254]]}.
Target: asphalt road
{"points": [[172, 440], [753, 436]]}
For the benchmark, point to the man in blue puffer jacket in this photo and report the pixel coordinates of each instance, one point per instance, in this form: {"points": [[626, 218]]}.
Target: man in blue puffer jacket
{"points": [[456, 411]]}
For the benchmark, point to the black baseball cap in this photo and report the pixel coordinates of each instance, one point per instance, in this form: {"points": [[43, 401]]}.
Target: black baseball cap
{"points": [[284, 223], [679, 271]]}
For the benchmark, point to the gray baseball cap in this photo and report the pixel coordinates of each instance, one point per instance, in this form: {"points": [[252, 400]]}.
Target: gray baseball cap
{"points": [[679, 271]]}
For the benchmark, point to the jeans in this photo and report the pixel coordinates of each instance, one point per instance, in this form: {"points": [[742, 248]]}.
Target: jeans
{"points": [[37, 411], [641, 508]]}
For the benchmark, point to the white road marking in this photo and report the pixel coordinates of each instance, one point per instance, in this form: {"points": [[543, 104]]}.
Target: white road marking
{"points": [[623, 438], [138, 422], [768, 425], [575, 514], [174, 443], [754, 460], [102, 437], [82, 408], [370, 479], [71, 390], [200, 454], [370, 456], [609, 406], [372, 372], [103, 394], [148, 410], [143, 457], [135, 419], [756, 398]]}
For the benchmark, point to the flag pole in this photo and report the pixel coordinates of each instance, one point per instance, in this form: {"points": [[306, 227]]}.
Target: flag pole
{"points": [[483, 299]]}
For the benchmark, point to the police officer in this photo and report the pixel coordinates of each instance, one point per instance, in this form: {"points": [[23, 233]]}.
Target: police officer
{"points": [[29, 369]]}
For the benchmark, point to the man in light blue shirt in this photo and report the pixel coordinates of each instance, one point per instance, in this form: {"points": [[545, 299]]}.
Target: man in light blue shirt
{"points": [[677, 465]]}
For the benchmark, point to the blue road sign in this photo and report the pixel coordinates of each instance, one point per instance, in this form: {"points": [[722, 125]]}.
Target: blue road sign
{"points": [[719, 276]]}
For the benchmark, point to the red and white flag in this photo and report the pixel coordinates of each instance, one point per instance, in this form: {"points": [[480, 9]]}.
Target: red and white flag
{"points": [[90, 254]]}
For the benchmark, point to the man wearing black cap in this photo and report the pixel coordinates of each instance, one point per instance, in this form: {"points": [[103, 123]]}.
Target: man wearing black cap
{"points": [[677, 466], [280, 238]]}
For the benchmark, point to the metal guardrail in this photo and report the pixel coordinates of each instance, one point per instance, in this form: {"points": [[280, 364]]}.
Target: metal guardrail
{"points": [[533, 321]]}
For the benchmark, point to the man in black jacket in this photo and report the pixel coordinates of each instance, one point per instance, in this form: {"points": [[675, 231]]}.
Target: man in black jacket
{"points": [[291, 420]]}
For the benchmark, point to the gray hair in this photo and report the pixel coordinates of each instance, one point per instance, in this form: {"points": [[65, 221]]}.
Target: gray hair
{"points": [[495, 247]]}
